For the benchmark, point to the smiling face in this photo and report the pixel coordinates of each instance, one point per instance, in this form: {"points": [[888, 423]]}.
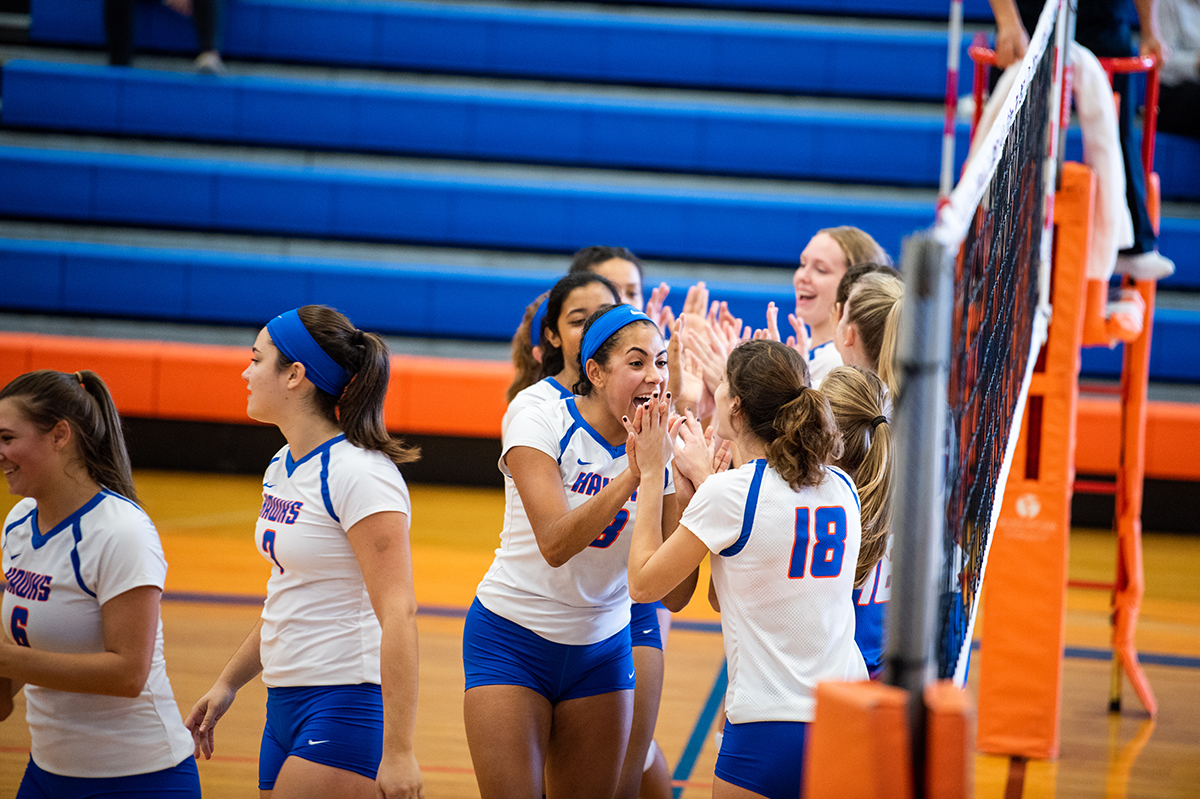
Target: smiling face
{"points": [[822, 265], [625, 276], [29, 458], [636, 369], [265, 381], [567, 332]]}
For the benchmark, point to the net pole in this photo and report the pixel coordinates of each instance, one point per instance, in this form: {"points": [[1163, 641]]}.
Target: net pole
{"points": [[919, 515], [953, 55]]}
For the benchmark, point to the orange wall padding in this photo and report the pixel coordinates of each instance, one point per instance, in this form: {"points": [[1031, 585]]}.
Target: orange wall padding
{"points": [[199, 382], [1172, 430]]}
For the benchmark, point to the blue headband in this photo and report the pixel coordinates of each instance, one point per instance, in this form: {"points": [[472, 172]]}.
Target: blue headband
{"points": [[535, 325], [297, 344], [602, 329]]}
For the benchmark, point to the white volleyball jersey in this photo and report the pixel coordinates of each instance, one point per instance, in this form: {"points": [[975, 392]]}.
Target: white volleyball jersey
{"points": [[546, 390], [783, 565], [318, 624], [585, 600], [822, 359], [57, 581]]}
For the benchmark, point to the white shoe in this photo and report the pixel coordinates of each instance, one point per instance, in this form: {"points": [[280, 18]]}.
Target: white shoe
{"points": [[1145, 266], [210, 63]]}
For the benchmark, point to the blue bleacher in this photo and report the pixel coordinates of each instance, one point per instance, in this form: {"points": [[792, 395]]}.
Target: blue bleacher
{"points": [[934, 10], [580, 130], [424, 300], [465, 208], [557, 45], [431, 209]]}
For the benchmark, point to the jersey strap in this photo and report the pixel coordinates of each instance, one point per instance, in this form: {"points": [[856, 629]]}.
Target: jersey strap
{"points": [[760, 468], [581, 423], [846, 479], [78, 534]]}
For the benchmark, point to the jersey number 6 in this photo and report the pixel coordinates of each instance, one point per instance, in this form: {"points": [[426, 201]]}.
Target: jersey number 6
{"points": [[828, 542]]}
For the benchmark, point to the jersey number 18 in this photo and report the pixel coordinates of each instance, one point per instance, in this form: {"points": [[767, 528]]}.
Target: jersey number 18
{"points": [[826, 529]]}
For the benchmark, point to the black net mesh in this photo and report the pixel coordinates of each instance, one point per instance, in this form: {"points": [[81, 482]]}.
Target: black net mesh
{"points": [[996, 299]]}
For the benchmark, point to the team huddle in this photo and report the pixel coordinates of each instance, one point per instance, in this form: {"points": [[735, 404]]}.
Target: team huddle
{"points": [[637, 443]]}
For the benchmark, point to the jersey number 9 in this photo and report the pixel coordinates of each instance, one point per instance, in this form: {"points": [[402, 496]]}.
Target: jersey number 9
{"points": [[828, 542]]}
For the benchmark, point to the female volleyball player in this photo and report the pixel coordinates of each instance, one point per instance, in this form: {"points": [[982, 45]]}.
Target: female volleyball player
{"points": [[822, 264], [546, 648], [869, 326], [862, 407], [573, 299], [562, 316], [85, 572], [337, 641], [782, 532]]}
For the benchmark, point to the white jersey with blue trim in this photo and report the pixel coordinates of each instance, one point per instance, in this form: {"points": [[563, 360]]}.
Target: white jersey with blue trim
{"points": [[58, 579], [783, 566], [822, 359], [585, 600], [319, 627], [545, 390]]}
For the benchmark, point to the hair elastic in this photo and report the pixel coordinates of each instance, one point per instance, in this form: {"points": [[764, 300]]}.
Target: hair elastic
{"points": [[535, 324], [79, 378], [297, 344], [602, 329], [878, 420]]}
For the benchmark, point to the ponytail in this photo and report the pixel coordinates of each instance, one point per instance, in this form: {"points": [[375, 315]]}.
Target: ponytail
{"points": [[874, 310], [861, 405], [527, 370], [47, 397], [771, 384], [359, 409], [889, 371], [808, 439]]}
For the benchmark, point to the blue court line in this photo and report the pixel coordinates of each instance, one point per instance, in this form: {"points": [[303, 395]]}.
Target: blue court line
{"points": [[1075, 652], [687, 761]]}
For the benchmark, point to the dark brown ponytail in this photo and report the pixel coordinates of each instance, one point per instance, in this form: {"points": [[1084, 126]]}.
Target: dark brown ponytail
{"points": [[770, 382], [359, 411], [47, 397]]}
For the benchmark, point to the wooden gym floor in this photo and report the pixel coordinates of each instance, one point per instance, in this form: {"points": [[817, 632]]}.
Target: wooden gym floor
{"points": [[217, 579]]}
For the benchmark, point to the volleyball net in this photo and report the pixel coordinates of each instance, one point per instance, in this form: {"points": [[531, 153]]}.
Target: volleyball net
{"points": [[976, 316]]}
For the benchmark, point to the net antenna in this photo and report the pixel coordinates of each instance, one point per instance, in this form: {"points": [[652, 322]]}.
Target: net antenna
{"points": [[975, 318]]}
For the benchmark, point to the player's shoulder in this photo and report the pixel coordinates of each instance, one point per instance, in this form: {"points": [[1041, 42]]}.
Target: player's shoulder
{"points": [[20, 513], [840, 482], [344, 456], [547, 417]]}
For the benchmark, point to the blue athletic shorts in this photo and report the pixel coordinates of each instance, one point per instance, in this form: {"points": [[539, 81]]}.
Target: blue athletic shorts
{"points": [[643, 624], [766, 757], [334, 725], [497, 651], [178, 782]]}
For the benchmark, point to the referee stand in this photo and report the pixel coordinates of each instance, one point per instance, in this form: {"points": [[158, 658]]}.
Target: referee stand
{"points": [[1020, 682]]}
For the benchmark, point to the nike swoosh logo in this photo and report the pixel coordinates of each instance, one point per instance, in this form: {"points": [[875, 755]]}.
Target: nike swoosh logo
{"points": [[583, 462], [631, 674], [311, 742], [14, 557], [647, 632], [272, 485]]}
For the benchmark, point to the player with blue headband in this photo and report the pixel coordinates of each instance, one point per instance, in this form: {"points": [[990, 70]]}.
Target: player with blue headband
{"points": [[333, 529], [548, 635]]}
